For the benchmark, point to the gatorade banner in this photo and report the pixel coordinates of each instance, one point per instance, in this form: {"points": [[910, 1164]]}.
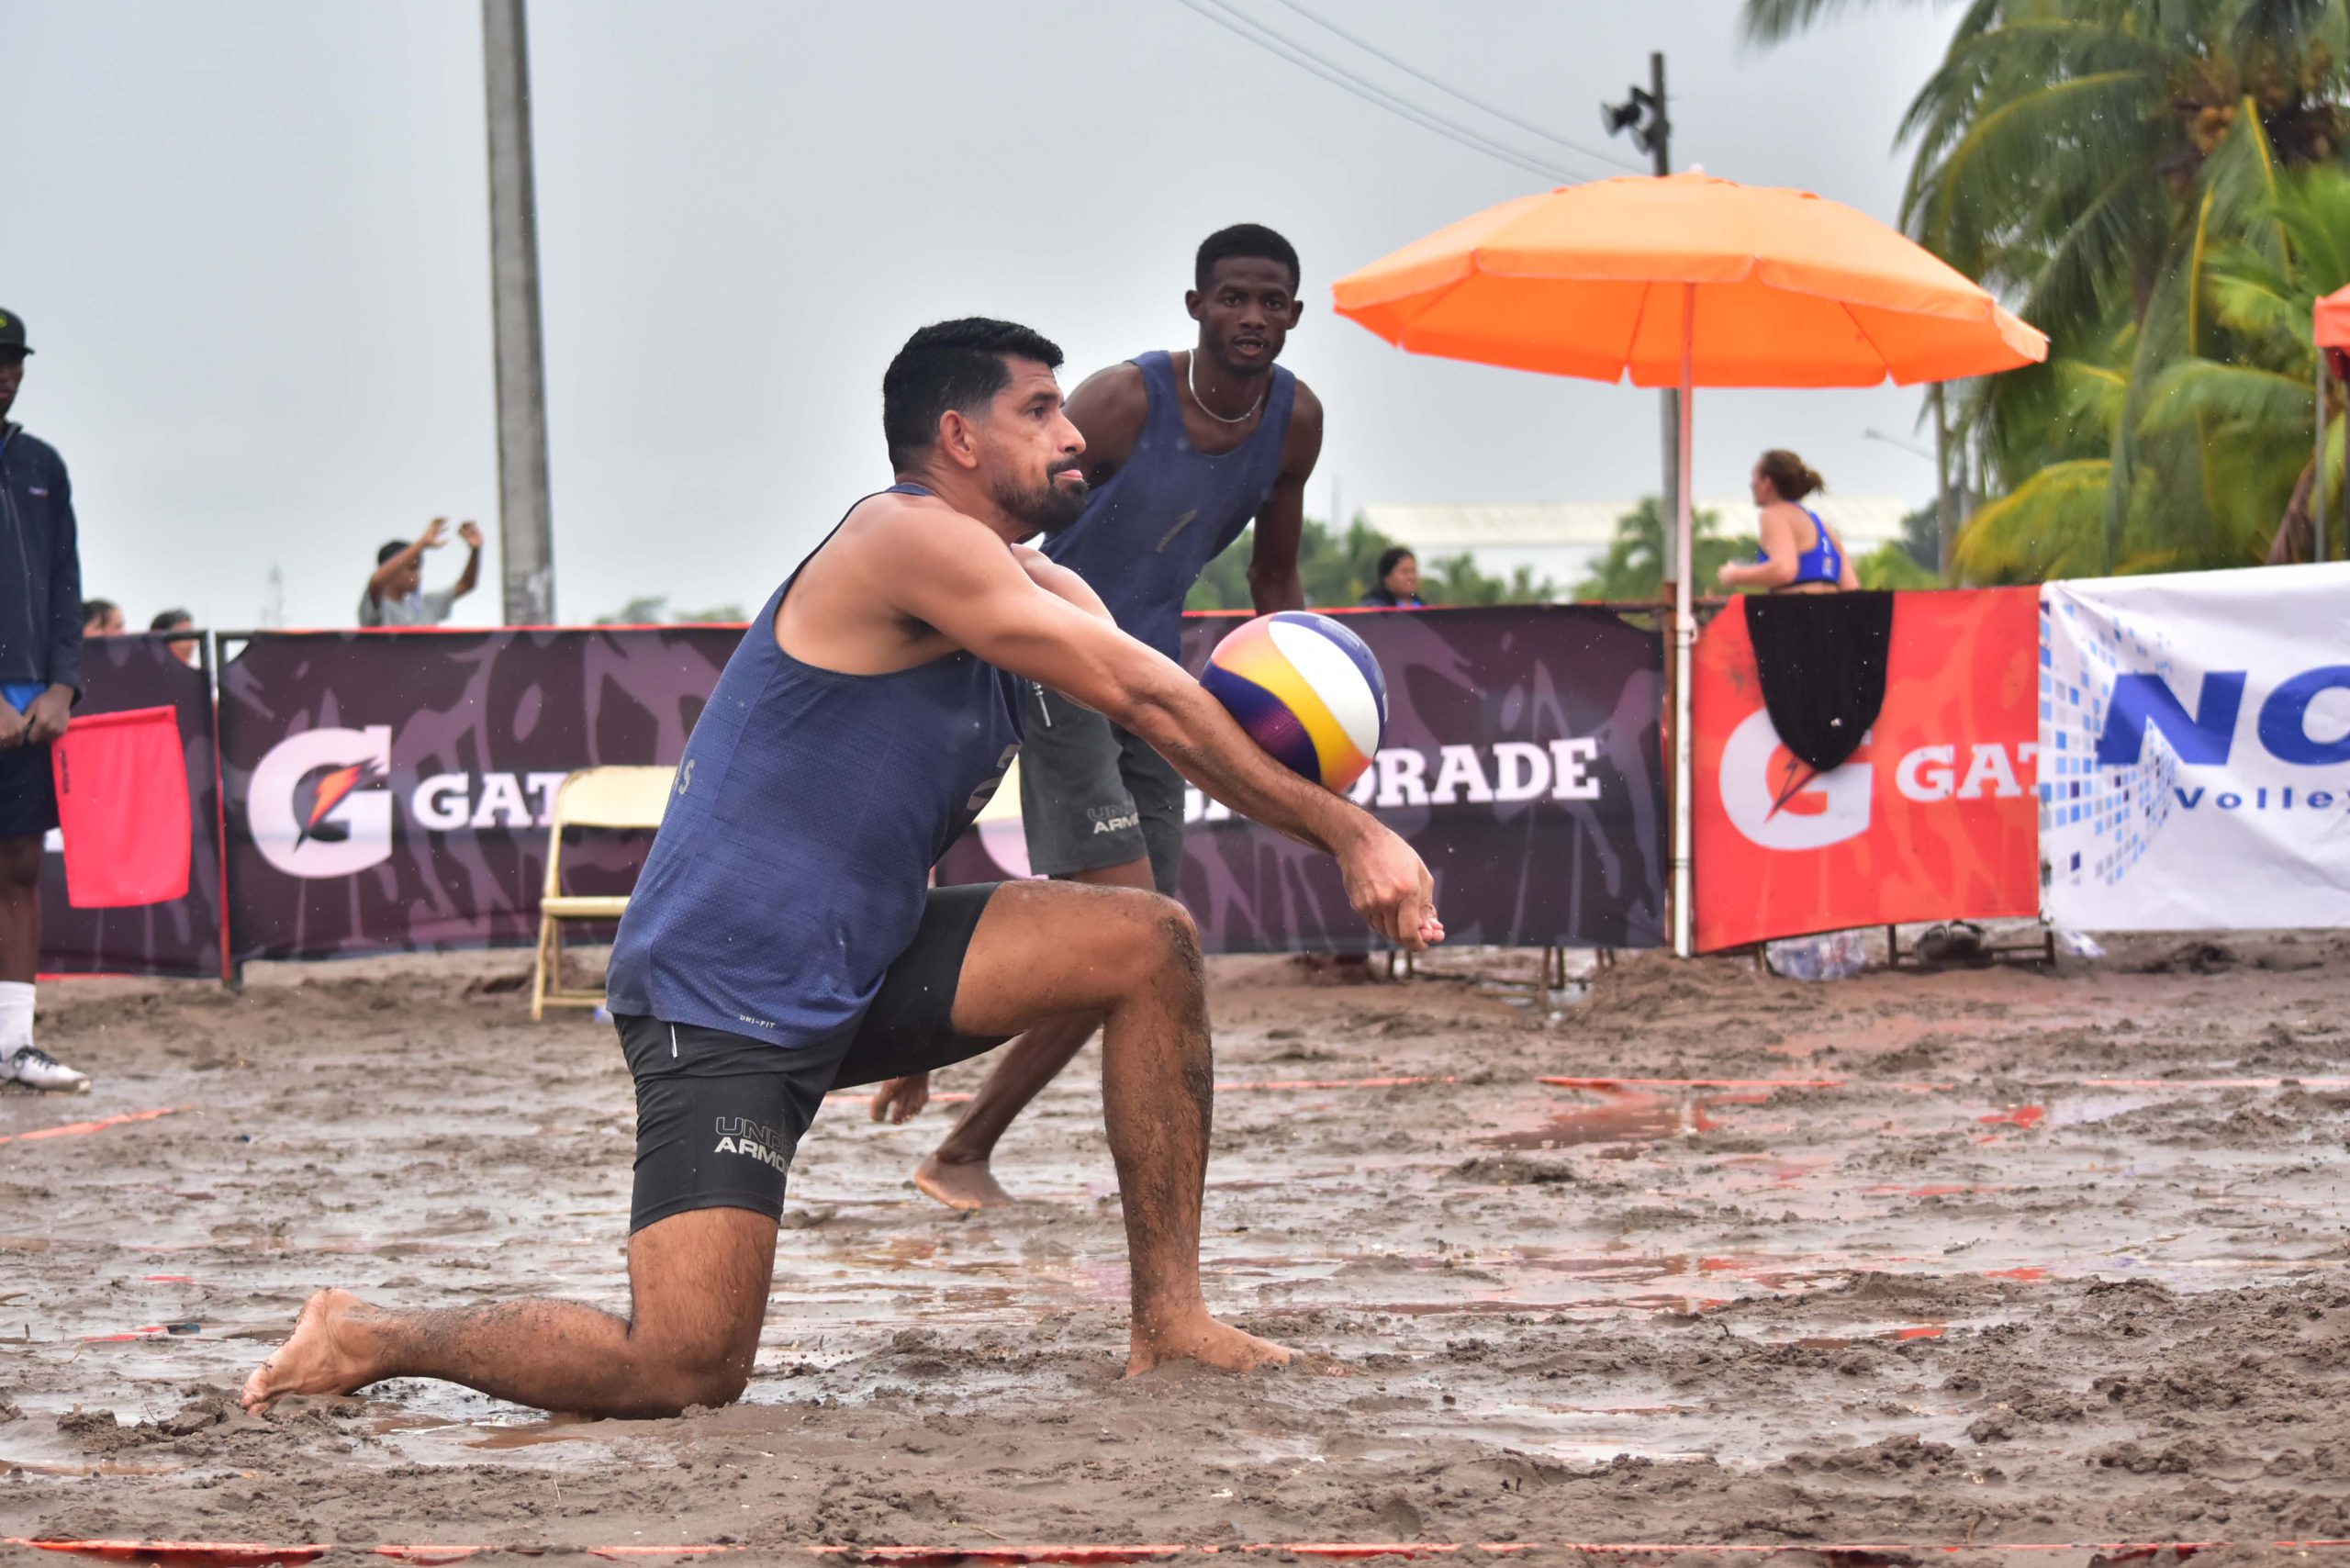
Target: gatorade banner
{"points": [[390, 791], [107, 903], [122, 808], [2195, 750], [1930, 819], [1521, 760]]}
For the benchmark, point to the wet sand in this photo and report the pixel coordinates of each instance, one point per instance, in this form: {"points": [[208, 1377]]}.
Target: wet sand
{"points": [[1969, 1259]]}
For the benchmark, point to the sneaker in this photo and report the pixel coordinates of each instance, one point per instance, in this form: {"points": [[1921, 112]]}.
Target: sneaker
{"points": [[36, 1069]]}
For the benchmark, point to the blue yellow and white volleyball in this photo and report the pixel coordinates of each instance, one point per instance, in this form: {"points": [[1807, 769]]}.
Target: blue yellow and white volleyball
{"points": [[1307, 690]]}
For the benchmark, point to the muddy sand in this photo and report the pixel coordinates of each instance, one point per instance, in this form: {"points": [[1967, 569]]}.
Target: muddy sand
{"points": [[1978, 1259]]}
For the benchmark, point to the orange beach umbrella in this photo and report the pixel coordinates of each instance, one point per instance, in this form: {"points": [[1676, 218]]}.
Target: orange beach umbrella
{"points": [[1759, 287], [1688, 281]]}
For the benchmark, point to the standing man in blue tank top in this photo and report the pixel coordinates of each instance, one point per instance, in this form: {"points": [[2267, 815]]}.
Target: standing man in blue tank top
{"points": [[1183, 452], [783, 941]]}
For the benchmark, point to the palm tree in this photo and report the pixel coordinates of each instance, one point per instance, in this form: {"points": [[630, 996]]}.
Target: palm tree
{"points": [[1633, 569], [2092, 159], [2241, 411]]}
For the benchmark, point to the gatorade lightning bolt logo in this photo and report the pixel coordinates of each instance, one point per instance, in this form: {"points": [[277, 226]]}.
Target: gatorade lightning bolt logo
{"points": [[315, 803], [330, 788]]}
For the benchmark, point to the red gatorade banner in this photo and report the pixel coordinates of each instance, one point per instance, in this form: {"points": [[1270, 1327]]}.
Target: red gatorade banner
{"points": [[1521, 760], [391, 790], [1933, 818], [135, 889]]}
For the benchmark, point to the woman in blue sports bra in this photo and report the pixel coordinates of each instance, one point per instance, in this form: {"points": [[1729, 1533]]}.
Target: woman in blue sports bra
{"points": [[1800, 554]]}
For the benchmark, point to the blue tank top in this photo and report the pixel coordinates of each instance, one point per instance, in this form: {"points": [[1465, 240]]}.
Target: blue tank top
{"points": [[1150, 532], [1823, 563], [792, 866]]}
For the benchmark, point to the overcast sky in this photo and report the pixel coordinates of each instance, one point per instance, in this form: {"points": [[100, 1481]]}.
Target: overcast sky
{"points": [[251, 242]]}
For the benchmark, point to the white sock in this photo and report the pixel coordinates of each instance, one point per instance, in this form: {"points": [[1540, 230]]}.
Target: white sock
{"points": [[16, 1016]]}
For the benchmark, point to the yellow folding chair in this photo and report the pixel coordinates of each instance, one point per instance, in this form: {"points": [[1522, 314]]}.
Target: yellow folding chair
{"points": [[593, 797]]}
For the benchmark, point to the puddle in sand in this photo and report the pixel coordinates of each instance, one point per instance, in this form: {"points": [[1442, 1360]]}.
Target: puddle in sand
{"points": [[1625, 1116], [104, 1467]]}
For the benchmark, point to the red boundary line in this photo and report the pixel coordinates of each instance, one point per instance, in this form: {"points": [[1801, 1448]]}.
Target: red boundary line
{"points": [[1919, 1087], [72, 1129], [250, 1552]]}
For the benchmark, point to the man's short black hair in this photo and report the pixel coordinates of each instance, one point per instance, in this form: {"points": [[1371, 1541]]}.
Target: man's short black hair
{"points": [[96, 610], [951, 364], [170, 621], [384, 555], [1252, 240]]}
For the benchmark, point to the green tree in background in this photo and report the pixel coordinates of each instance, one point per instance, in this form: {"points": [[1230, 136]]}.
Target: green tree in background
{"points": [[2119, 169], [1456, 580], [1891, 566], [1336, 570], [1633, 568], [653, 611]]}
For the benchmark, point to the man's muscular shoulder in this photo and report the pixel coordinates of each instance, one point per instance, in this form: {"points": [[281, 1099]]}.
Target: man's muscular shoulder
{"points": [[1304, 443], [1108, 408]]}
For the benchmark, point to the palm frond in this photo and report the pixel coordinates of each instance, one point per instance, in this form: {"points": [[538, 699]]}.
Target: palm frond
{"points": [[2048, 526], [2233, 398]]}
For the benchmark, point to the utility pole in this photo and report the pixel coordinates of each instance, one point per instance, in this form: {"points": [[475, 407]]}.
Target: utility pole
{"points": [[525, 517], [1945, 515], [1660, 138], [1643, 116]]}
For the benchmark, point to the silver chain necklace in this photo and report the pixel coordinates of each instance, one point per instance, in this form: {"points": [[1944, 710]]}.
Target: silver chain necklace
{"points": [[1192, 379]]}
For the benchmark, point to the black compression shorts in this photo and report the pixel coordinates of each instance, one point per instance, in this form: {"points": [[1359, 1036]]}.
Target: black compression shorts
{"points": [[718, 1115]]}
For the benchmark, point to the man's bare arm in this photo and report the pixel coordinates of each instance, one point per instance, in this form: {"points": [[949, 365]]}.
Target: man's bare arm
{"points": [[1108, 408], [1272, 562], [976, 592]]}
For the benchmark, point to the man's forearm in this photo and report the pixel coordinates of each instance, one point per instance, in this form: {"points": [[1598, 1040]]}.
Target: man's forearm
{"points": [[1193, 732], [472, 574]]}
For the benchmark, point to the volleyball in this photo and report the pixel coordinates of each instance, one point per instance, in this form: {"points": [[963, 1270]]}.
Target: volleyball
{"points": [[1307, 690]]}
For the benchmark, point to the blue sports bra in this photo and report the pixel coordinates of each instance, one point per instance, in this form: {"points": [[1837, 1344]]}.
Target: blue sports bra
{"points": [[1823, 563]]}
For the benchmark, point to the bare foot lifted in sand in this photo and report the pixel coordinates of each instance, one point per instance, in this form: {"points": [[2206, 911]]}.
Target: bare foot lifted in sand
{"points": [[961, 1186], [312, 1359], [1200, 1337]]}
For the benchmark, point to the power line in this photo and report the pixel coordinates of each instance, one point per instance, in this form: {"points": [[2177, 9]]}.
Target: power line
{"points": [[1248, 27], [1338, 77], [1503, 114]]}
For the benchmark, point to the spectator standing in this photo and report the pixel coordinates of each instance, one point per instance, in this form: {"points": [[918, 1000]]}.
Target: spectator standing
{"points": [[40, 675], [1398, 586], [178, 621], [396, 595], [101, 618]]}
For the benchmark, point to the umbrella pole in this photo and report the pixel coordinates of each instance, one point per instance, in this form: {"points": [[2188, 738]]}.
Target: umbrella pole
{"points": [[1685, 634]]}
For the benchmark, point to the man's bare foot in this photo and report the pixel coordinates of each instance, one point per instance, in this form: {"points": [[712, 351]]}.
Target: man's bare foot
{"points": [[314, 1359], [1203, 1340], [961, 1186]]}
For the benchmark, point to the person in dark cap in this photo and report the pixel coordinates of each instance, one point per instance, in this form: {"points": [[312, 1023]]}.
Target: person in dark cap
{"points": [[40, 675]]}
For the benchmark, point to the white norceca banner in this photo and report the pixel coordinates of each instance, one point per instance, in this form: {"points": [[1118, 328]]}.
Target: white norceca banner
{"points": [[2195, 750]]}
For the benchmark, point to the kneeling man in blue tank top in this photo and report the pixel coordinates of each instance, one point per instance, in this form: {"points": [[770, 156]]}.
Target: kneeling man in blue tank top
{"points": [[783, 943], [1182, 451]]}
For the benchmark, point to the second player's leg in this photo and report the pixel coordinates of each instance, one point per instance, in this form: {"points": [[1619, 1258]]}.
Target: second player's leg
{"points": [[957, 1173], [1130, 960]]}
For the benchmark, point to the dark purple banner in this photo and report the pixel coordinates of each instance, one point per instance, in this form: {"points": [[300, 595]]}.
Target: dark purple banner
{"points": [[392, 790], [1521, 761], [182, 936]]}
